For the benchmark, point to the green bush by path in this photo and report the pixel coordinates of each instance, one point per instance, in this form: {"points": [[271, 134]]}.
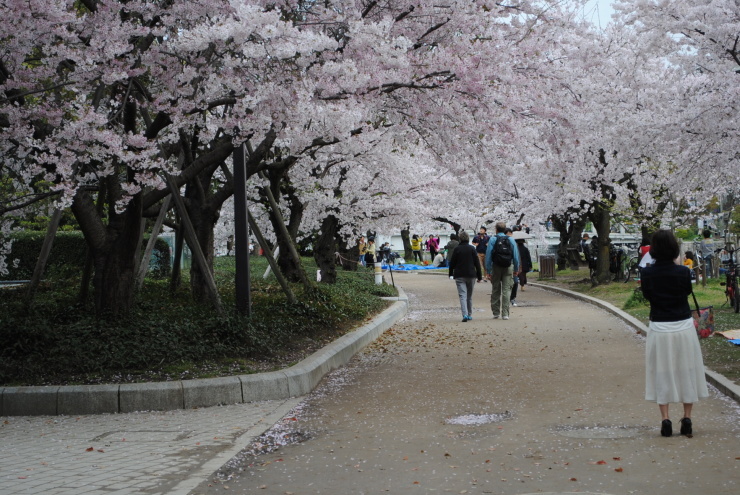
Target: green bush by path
{"points": [[67, 256], [165, 337]]}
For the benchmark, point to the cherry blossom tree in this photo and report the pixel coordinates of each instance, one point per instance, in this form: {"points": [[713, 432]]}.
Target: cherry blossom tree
{"points": [[353, 113]]}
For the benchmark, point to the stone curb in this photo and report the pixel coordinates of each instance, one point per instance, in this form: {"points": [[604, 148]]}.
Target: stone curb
{"points": [[723, 384], [295, 381]]}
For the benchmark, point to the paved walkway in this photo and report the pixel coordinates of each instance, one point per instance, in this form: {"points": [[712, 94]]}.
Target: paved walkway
{"points": [[549, 401], [150, 452]]}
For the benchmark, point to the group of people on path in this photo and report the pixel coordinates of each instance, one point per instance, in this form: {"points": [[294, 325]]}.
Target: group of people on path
{"points": [[369, 253], [674, 367], [419, 245], [502, 260]]}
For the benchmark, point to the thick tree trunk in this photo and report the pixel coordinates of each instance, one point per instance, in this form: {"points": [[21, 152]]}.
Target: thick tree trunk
{"points": [[561, 225], [325, 248], [570, 231], [114, 281], [574, 237], [114, 249], [292, 270], [289, 263], [406, 238], [601, 218], [87, 271], [646, 231]]}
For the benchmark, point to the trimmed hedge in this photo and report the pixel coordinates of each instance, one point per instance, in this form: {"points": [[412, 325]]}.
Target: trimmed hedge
{"points": [[68, 254]]}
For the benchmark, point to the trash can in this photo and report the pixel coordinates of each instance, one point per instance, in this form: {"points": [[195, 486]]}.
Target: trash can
{"points": [[547, 266]]}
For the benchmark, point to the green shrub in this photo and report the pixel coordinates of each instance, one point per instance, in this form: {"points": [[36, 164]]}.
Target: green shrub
{"points": [[686, 234], [635, 300], [67, 256], [65, 259], [61, 341]]}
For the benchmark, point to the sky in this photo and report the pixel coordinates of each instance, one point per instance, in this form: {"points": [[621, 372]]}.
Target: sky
{"points": [[599, 11]]}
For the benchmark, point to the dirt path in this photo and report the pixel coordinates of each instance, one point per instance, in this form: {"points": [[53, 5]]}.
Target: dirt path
{"points": [[550, 401]]}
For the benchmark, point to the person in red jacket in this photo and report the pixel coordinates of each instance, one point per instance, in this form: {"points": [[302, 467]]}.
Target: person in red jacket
{"points": [[644, 248], [432, 245]]}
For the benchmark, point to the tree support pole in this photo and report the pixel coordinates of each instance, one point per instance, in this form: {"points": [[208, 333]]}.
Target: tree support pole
{"points": [[271, 259], [283, 229], [268, 271], [144, 266], [38, 271], [242, 281], [194, 245], [176, 277]]}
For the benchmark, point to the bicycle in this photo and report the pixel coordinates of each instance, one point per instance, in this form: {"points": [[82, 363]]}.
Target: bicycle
{"points": [[631, 268], [590, 257], [730, 283]]}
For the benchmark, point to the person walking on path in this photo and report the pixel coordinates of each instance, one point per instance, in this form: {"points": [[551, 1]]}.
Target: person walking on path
{"points": [[502, 264], [515, 280], [674, 369], [481, 244], [451, 245], [707, 252], [465, 270], [520, 281], [526, 259], [416, 248]]}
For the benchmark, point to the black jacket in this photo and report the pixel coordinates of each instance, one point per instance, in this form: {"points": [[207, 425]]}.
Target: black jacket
{"points": [[465, 263], [667, 287], [525, 257]]}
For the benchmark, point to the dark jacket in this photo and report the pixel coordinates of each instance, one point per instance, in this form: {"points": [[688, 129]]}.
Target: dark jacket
{"points": [[450, 247], [667, 287], [526, 257], [465, 263], [482, 241]]}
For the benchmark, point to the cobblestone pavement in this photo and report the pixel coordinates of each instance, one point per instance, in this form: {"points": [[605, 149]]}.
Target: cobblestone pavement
{"points": [[148, 452]]}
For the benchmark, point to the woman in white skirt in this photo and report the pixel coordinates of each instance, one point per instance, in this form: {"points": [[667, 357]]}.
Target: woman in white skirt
{"points": [[674, 369]]}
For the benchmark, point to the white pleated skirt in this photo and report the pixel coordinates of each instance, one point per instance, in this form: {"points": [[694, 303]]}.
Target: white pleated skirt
{"points": [[674, 368]]}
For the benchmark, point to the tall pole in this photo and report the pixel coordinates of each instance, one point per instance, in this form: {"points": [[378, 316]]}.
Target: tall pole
{"points": [[241, 234]]}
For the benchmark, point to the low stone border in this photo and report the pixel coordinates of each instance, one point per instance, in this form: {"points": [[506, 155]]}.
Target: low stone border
{"points": [[295, 381], [723, 384]]}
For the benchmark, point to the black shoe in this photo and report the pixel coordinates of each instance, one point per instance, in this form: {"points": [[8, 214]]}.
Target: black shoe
{"points": [[666, 428], [686, 426], [465, 319]]}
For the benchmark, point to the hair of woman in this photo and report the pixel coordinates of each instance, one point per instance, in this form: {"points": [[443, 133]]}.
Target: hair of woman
{"points": [[664, 246]]}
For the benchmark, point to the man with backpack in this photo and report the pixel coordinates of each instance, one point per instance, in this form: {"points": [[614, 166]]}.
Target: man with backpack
{"points": [[502, 264]]}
